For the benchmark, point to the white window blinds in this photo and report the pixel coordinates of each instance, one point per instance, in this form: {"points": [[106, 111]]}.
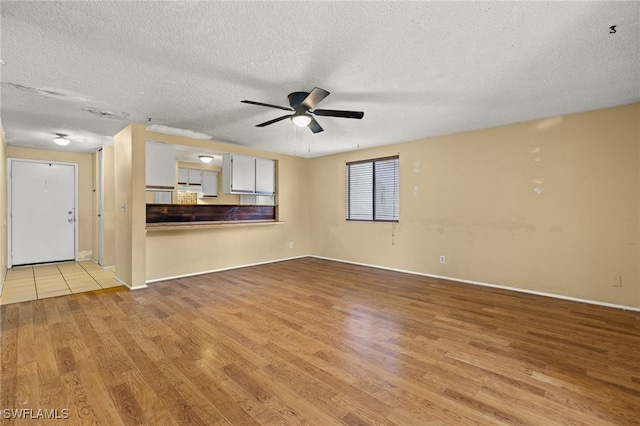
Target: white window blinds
{"points": [[372, 190]]}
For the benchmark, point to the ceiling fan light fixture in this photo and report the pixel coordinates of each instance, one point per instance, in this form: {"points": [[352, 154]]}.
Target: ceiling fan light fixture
{"points": [[301, 120], [206, 159], [303, 105], [61, 140]]}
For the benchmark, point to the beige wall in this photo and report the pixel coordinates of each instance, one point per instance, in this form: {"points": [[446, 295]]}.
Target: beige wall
{"points": [[129, 186], [3, 209], [85, 189], [549, 206], [174, 253]]}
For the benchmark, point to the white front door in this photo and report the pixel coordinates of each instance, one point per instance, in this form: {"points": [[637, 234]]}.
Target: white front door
{"points": [[43, 212]]}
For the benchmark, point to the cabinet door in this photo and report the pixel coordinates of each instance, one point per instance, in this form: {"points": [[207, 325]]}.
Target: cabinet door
{"points": [[209, 183], [160, 165], [195, 176], [183, 176], [243, 174], [265, 176]]}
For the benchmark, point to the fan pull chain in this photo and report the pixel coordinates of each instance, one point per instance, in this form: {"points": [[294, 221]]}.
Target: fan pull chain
{"points": [[295, 141]]}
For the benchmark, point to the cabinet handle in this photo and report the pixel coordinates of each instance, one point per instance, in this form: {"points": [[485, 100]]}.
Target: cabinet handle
{"points": [[159, 187]]}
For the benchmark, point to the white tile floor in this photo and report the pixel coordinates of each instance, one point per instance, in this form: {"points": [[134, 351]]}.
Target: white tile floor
{"points": [[50, 280]]}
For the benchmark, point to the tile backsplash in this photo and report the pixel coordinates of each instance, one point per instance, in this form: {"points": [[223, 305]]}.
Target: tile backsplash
{"points": [[185, 197]]}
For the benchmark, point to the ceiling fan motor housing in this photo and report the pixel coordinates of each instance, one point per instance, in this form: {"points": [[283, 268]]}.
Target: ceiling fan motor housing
{"points": [[295, 100]]}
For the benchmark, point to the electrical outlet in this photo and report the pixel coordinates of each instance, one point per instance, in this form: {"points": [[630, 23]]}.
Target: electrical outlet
{"points": [[616, 281], [291, 244], [442, 259]]}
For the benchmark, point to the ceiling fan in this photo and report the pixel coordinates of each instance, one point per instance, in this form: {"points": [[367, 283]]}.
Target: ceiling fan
{"points": [[302, 105]]}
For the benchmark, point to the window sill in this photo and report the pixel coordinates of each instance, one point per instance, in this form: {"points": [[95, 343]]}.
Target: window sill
{"points": [[372, 220]]}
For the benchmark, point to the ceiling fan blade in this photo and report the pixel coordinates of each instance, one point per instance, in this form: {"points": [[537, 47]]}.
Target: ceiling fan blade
{"points": [[314, 98], [315, 126], [275, 120], [338, 113], [267, 105]]}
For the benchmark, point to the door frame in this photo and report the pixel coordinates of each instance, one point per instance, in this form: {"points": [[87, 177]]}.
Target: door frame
{"points": [[10, 162], [100, 203]]}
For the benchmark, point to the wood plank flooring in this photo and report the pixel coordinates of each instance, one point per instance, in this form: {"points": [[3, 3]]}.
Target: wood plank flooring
{"points": [[313, 342]]}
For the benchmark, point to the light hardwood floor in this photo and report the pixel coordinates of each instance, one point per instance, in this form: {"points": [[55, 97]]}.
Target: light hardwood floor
{"points": [[314, 342]]}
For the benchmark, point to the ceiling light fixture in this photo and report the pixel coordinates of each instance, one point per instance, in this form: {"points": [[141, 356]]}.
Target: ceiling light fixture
{"points": [[61, 139], [301, 120], [205, 158]]}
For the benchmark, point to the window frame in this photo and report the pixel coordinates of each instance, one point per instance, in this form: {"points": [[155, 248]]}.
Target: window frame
{"points": [[347, 198]]}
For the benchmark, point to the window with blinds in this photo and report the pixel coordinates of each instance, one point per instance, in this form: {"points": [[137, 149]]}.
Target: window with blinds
{"points": [[372, 190]]}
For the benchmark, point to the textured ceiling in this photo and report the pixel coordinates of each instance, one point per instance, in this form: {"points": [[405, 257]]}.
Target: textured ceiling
{"points": [[416, 69]]}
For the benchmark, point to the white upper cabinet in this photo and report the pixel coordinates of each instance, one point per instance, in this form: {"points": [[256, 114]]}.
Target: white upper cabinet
{"points": [[183, 176], [160, 166], [205, 182], [238, 174], [189, 177], [209, 183], [242, 174], [195, 176], [265, 176]]}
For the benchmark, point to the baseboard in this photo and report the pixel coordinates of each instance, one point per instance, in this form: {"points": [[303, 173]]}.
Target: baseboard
{"points": [[138, 287], [193, 274], [502, 287], [4, 277], [479, 283], [110, 267]]}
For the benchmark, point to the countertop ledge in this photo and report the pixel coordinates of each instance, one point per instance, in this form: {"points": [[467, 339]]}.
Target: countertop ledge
{"points": [[183, 226]]}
